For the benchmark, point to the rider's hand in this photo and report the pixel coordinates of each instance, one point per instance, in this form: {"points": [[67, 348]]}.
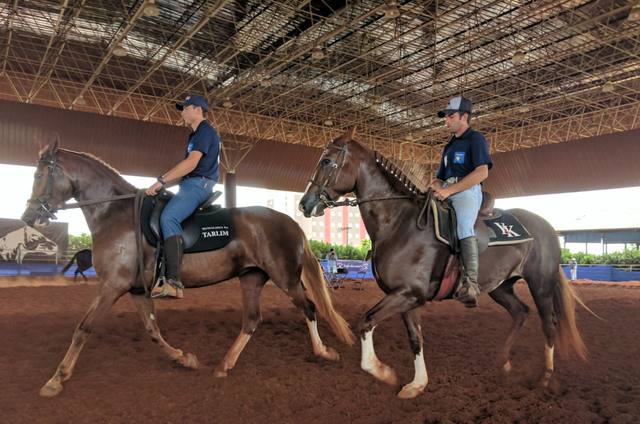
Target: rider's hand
{"points": [[436, 184], [153, 190], [442, 193]]}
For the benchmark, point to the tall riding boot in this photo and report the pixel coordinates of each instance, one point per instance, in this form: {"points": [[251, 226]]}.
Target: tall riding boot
{"points": [[172, 286], [468, 290]]}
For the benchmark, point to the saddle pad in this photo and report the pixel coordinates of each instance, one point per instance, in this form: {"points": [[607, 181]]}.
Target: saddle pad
{"points": [[503, 229], [206, 230], [506, 229]]}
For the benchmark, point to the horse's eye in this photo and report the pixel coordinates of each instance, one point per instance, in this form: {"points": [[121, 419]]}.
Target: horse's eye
{"points": [[326, 161]]}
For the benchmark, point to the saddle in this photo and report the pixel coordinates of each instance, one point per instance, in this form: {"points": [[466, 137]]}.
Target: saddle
{"points": [[209, 228], [494, 227]]}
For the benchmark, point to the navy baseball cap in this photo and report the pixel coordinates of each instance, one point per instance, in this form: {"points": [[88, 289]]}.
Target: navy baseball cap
{"points": [[195, 100], [456, 104]]}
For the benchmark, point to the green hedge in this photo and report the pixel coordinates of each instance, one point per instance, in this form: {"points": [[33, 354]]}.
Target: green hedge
{"points": [[320, 249], [80, 242], [628, 257]]}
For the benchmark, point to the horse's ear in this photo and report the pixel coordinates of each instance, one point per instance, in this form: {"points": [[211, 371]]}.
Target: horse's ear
{"points": [[347, 136], [56, 143], [51, 146]]}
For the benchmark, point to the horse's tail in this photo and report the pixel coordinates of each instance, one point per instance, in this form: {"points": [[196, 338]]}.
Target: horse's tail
{"points": [[564, 305], [316, 286], [67, 266]]}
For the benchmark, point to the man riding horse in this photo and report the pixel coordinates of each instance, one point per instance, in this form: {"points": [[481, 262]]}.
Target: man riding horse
{"points": [[464, 165], [197, 174]]}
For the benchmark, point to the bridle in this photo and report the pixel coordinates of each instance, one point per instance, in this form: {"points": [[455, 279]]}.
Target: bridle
{"points": [[332, 177], [44, 209]]}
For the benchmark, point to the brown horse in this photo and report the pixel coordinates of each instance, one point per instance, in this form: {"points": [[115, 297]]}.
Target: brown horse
{"points": [[268, 245], [409, 264]]}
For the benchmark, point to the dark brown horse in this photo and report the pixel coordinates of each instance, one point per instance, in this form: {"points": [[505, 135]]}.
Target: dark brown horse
{"points": [[409, 264], [82, 259], [268, 245]]}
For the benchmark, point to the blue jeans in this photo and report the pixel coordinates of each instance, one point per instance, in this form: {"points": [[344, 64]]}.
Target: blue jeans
{"points": [[193, 191], [467, 205]]}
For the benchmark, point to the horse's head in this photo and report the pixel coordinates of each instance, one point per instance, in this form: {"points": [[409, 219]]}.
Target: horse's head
{"points": [[334, 176], [51, 188]]}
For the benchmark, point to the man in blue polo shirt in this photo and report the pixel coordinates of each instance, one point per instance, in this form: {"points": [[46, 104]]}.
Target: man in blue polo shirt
{"points": [[197, 174], [464, 166]]}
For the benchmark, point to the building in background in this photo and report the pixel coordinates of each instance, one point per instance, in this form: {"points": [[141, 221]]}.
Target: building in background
{"points": [[342, 225]]}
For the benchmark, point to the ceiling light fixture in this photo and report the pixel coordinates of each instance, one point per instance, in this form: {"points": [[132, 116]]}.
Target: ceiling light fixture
{"points": [[80, 101], [518, 57], [328, 123], [608, 87], [265, 82], [151, 9], [391, 10], [227, 104], [120, 51], [318, 53]]}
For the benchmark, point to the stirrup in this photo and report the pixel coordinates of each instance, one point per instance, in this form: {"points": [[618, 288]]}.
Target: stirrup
{"points": [[464, 296], [165, 289]]}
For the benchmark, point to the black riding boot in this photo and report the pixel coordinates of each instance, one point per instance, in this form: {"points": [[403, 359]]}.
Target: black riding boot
{"points": [[468, 289], [172, 286]]}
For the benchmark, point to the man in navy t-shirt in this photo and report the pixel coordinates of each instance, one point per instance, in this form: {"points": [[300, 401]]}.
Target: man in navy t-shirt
{"points": [[197, 174], [464, 165]]}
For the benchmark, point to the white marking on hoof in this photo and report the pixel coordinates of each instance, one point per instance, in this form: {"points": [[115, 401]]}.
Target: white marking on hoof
{"points": [[319, 348], [420, 379], [507, 367], [548, 357], [51, 389], [371, 364], [152, 317]]}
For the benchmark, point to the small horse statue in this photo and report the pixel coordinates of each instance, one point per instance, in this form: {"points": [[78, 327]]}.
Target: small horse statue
{"points": [[268, 246], [409, 261]]}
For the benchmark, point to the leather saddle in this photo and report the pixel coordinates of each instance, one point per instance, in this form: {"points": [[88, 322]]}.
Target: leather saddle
{"points": [[210, 227]]}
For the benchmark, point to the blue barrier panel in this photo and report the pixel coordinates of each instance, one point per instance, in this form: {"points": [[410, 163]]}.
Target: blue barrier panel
{"points": [[603, 273], [10, 269]]}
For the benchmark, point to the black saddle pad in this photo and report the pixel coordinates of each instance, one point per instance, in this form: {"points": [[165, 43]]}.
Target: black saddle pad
{"points": [[205, 230], [504, 228]]}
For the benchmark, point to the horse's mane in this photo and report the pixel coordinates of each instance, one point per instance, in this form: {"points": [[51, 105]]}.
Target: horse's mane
{"points": [[396, 176], [104, 166]]}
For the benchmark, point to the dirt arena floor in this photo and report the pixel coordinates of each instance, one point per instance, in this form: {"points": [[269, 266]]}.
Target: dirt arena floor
{"points": [[122, 376]]}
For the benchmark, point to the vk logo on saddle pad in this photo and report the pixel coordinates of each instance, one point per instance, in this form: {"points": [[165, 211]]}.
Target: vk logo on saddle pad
{"points": [[503, 228], [506, 230]]}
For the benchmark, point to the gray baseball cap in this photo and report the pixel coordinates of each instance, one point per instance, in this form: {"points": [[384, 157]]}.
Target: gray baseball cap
{"points": [[456, 104]]}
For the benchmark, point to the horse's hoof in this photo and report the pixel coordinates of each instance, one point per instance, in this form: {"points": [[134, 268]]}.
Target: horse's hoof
{"points": [[330, 354], [189, 360], [50, 389], [411, 391], [218, 373]]}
